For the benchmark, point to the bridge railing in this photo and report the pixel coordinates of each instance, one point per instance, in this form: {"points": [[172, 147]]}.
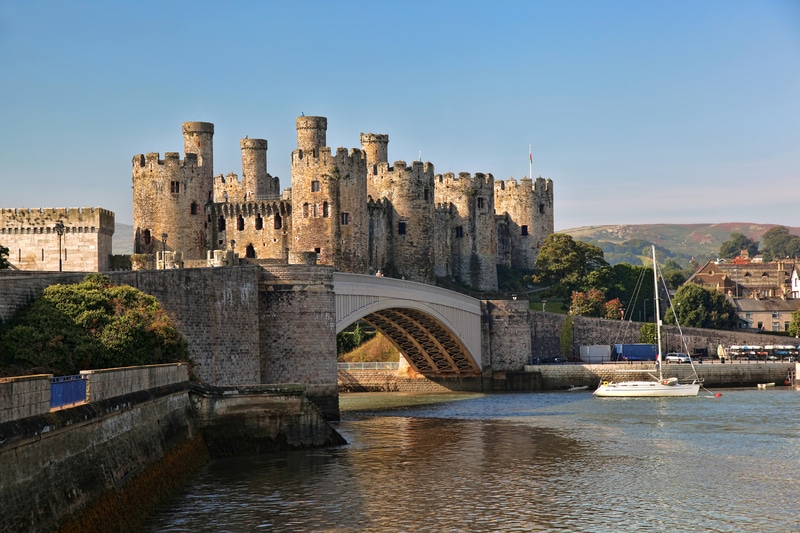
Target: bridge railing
{"points": [[369, 365], [66, 390]]}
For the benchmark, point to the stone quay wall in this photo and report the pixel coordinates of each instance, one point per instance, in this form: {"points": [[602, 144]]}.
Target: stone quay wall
{"points": [[24, 396], [112, 460], [107, 461]]}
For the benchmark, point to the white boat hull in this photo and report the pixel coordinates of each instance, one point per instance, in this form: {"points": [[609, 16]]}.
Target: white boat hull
{"points": [[631, 389]]}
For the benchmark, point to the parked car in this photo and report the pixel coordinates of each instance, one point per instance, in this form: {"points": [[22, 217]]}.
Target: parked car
{"points": [[674, 357]]}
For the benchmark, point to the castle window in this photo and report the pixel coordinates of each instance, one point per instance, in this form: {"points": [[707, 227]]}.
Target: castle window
{"points": [[325, 210], [524, 231], [305, 210], [278, 221], [425, 194], [65, 254], [193, 208], [221, 223], [541, 209], [259, 222], [459, 232], [174, 187], [315, 186], [480, 202], [147, 236], [401, 228], [250, 251], [314, 211], [42, 254], [209, 218], [240, 223], [345, 219]]}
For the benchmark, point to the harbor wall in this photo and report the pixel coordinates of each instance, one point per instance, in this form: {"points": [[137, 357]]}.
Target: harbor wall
{"points": [[104, 464], [563, 376]]}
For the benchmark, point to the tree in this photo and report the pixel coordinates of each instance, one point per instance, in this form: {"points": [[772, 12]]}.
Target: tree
{"points": [[794, 325], [647, 333], [613, 309], [89, 325], [4, 257], [589, 303], [698, 307], [780, 244], [738, 242], [563, 263]]}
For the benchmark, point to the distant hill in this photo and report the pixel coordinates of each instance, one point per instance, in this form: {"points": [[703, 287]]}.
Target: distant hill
{"points": [[122, 242], [682, 242]]}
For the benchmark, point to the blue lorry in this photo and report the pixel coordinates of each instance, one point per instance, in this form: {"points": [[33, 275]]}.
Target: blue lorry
{"points": [[634, 352]]}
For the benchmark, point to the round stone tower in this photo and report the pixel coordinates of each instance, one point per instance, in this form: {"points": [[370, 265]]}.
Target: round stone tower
{"points": [[198, 138], [376, 148], [311, 133], [254, 166]]}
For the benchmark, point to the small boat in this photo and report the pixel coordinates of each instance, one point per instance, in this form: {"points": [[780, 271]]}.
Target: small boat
{"points": [[573, 388], [657, 386], [765, 385]]}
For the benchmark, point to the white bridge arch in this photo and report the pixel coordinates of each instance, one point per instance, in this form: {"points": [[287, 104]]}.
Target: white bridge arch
{"points": [[437, 330]]}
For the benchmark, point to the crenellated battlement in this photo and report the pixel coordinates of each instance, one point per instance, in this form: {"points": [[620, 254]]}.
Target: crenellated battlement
{"points": [[153, 160], [465, 181], [324, 157], [45, 218]]}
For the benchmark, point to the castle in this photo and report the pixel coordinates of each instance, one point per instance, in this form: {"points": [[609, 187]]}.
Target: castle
{"points": [[351, 209]]}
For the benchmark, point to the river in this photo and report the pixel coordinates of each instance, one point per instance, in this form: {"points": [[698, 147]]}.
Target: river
{"points": [[561, 461]]}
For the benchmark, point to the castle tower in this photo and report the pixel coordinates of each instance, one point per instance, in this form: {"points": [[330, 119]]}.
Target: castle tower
{"points": [[256, 181], [543, 216], [169, 195], [198, 138], [311, 133], [529, 208], [329, 199], [409, 231], [376, 147], [473, 258]]}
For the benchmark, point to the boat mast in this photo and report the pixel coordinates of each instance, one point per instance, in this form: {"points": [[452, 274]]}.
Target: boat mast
{"points": [[658, 311]]}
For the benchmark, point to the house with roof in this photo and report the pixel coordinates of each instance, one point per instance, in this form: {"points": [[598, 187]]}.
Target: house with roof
{"points": [[765, 294]]}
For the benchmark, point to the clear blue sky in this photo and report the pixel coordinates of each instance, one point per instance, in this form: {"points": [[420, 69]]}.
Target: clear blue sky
{"points": [[640, 111]]}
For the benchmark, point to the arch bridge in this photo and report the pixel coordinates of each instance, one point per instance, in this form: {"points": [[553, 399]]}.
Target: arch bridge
{"points": [[437, 330]]}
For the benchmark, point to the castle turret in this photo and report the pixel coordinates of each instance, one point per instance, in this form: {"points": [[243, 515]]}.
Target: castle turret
{"points": [[375, 146], [198, 138], [256, 181], [311, 133]]}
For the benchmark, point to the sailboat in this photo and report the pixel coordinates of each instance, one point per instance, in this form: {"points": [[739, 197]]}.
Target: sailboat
{"points": [[658, 385]]}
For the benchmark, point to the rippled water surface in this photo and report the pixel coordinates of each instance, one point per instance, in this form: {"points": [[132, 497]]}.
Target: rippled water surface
{"points": [[520, 462]]}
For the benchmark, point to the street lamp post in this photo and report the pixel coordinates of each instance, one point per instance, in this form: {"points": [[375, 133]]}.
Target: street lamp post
{"points": [[164, 249], [60, 231]]}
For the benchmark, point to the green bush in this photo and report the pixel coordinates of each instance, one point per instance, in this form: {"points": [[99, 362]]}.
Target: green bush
{"points": [[89, 325]]}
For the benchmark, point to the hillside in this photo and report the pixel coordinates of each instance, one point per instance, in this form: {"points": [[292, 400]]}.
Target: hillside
{"points": [[679, 241]]}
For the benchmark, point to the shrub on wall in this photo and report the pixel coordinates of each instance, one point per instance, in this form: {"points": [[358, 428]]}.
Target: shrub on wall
{"points": [[567, 334], [89, 325]]}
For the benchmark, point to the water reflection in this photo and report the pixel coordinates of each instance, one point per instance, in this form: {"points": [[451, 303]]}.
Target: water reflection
{"points": [[519, 462]]}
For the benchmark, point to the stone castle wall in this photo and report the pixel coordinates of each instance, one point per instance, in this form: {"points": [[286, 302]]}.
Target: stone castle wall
{"points": [[33, 242]]}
